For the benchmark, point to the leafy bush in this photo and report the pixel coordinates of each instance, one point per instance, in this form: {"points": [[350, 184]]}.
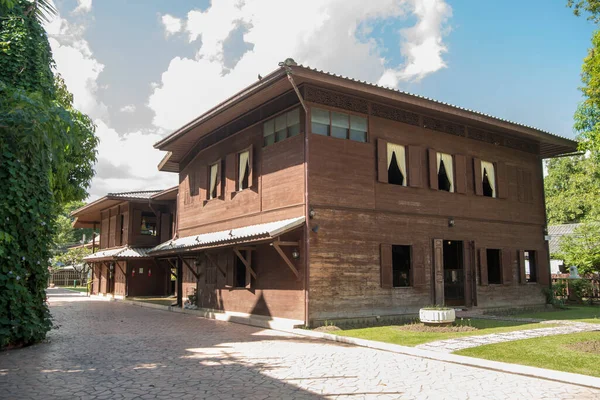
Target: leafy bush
{"points": [[580, 288]]}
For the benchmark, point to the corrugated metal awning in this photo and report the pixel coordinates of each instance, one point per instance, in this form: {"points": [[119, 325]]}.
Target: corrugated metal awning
{"points": [[228, 237], [118, 253]]}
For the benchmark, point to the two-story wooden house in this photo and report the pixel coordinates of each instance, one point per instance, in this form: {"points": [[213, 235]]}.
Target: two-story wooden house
{"points": [[130, 224], [310, 196]]}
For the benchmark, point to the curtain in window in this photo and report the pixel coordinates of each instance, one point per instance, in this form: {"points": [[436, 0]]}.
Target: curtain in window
{"points": [[448, 166], [243, 170], [400, 153], [213, 180], [487, 170]]}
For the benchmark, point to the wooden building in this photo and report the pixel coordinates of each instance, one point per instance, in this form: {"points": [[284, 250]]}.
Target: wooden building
{"points": [[309, 196], [130, 224]]}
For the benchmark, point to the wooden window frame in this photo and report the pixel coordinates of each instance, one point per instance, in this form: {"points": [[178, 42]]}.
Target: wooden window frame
{"points": [[249, 149], [341, 111], [287, 135], [219, 163]]}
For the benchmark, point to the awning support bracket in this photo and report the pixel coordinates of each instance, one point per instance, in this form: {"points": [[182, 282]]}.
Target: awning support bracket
{"points": [[197, 275], [245, 261], [277, 246], [210, 260]]}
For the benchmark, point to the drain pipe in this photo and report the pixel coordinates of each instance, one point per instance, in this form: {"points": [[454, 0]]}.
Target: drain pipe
{"points": [[287, 66]]}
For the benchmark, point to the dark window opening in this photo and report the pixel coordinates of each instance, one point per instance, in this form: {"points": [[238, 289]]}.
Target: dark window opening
{"points": [[122, 229], [443, 180], [395, 176], [494, 266], [531, 263], [148, 224], [401, 265], [488, 190], [240, 273], [454, 288]]}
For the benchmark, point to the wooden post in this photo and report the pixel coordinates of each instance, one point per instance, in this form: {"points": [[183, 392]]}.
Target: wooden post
{"points": [[438, 270], [179, 282]]}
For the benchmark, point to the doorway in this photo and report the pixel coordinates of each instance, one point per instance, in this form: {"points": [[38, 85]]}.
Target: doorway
{"points": [[454, 276]]}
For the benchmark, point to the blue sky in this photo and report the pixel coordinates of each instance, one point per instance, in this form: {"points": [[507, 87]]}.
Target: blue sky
{"points": [[140, 77]]}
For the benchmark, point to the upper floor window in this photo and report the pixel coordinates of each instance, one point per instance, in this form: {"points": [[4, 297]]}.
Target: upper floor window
{"points": [[243, 170], [148, 224], [445, 172], [339, 125], [281, 127], [213, 175], [488, 179], [396, 162]]}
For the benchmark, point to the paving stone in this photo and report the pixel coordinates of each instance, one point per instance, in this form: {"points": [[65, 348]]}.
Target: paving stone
{"points": [[161, 355]]}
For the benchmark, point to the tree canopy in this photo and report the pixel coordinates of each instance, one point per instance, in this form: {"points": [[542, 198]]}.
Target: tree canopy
{"points": [[47, 153]]}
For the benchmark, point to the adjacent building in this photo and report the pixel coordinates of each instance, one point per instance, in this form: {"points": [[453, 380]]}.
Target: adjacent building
{"points": [[308, 196], [130, 224]]}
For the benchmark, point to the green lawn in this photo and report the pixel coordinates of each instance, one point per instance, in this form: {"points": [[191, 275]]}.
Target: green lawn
{"points": [[579, 313], [544, 352], [76, 289], [391, 334]]}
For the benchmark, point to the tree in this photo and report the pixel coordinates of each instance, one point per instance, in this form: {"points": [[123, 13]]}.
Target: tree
{"points": [[75, 257], [65, 234], [572, 189], [582, 248], [47, 152], [589, 6]]}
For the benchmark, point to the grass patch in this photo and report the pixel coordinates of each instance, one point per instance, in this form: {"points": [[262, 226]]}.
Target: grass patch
{"points": [[408, 336], [75, 289], [578, 313], [568, 353]]}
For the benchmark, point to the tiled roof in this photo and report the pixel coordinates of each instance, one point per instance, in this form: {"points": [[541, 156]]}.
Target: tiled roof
{"points": [[427, 98], [260, 231], [118, 253], [556, 233], [142, 194]]}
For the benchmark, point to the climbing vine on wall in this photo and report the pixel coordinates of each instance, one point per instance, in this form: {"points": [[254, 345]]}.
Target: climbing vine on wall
{"points": [[47, 152]]}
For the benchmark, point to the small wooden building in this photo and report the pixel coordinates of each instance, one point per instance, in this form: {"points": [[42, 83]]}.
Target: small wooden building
{"points": [[130, 224], [308, 196]]}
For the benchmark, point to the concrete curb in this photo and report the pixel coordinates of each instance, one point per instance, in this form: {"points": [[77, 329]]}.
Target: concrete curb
{"points": [[515, 369]]}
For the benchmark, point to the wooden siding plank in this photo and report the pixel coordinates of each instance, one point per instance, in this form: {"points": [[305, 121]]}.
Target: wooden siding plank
{"points": [[501, 180], [438, 268], [477, 176], [507, 266], [483, 272], [415, 161], [230, 173]]}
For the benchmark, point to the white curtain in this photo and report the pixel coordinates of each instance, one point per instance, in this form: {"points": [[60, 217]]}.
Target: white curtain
{"points": [[400, 158], [243, 164], [448, 165], [488, 167], [213, 179]]}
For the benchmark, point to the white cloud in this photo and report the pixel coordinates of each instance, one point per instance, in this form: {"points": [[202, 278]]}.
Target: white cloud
{"points": [[172, 24], [83, 6], [129, 108], [333, 36], [126, 161]]}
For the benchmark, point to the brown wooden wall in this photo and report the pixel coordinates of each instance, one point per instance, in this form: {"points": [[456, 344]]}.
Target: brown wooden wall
{"points": [[151, 281], [120, 284], [276, 192], [276, 291], [356, 214]]}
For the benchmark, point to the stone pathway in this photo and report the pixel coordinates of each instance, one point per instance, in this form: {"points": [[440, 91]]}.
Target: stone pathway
{"points": [[110, 350], [452, 345]]}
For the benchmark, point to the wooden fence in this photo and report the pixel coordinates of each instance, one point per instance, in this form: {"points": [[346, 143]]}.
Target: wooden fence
{"points": [[564, 278], [65, 277]]}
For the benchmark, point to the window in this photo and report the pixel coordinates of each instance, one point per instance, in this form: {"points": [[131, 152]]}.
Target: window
{"points": [[338, 125], [488, 178], [148, 224], [281, 127], [243, 170], [445, 172], [240, 273], [400, 265], [494, 270], [530, 266], [396, 161], [212, 179]]}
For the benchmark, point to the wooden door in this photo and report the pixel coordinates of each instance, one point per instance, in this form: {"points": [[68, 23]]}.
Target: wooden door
{"points": [[469, 267]]}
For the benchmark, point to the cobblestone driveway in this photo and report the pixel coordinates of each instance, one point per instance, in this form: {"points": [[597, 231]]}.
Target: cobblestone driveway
{"points": [[111, 351]]}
